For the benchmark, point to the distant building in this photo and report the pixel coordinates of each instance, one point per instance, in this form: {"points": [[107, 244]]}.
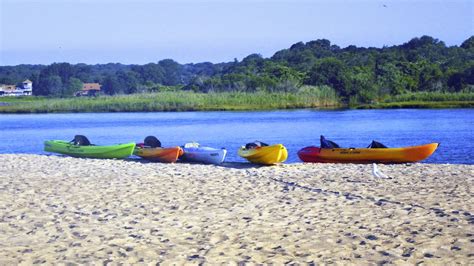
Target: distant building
{"points": [[89, 89], [7, 90], [27, 85], [26, 88]]}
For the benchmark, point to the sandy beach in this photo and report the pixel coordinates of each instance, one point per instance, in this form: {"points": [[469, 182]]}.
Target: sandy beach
{"points": [[66, 210]]}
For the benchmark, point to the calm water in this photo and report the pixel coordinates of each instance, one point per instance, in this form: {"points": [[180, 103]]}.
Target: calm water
{"points": [[453, 128]]}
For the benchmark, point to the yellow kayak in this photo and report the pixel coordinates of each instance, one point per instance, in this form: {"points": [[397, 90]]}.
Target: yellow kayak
{"points": [[267, 155]]}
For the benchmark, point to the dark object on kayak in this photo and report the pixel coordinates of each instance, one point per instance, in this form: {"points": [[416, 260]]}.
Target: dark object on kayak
{"points": [[81, 140], [255, 144], [152, 141], [327, 144], [250, 145], [376, 145]]}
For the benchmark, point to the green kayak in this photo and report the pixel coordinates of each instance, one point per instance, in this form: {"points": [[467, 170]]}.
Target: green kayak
{"points": [[118, 151]]}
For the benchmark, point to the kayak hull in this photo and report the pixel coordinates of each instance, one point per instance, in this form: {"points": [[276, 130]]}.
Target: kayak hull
{"points": [[266, 155], [205, 155], [118, 151], [162, 155], [366, 155]]}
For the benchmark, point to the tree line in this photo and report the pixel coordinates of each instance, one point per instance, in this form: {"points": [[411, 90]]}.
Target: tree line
{"points": [[356, 74]]}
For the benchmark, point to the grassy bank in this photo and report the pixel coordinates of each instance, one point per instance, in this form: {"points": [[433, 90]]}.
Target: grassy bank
{"points": [[425, 100], [172, 101], [190, 101], [420, 105]]}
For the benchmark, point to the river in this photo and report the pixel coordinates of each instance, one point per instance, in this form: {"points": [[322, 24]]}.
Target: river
{"points": [[453, 128]]}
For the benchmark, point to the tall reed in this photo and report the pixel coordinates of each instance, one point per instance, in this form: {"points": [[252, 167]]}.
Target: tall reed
{"points": [[431, 97], [179, 101]]}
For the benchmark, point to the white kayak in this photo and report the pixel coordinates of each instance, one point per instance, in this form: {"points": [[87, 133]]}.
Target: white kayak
{"points": [[193, 152]]}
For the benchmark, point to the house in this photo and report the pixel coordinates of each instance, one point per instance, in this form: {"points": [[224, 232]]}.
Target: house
{"points": [[7, 90], [26, 88], [89, 89]]}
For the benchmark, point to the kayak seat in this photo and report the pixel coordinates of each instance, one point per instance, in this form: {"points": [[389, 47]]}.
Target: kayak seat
{"points": [[327, 144], [251, 145], [261, 144], [255, 144], [81, 140], [152, 141], [191, 145], [376, 145]]}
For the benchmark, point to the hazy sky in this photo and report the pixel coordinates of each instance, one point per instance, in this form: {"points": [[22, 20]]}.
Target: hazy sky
{"points": [[143, 31]]}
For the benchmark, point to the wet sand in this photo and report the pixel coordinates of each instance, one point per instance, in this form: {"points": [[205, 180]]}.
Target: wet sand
{"points": [[67, 210]]}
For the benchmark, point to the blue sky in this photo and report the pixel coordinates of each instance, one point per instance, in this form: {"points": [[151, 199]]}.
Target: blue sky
{"points": [[143, 31]]}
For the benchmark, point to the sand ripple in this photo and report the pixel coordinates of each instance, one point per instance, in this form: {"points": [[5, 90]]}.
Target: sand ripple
{"points": [[68, 210]]}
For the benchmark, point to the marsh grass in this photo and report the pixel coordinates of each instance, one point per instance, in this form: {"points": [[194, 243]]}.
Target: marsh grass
{"points": [[306, 97], [431, 97], [425, 100], [175, 101], [420, 105]]}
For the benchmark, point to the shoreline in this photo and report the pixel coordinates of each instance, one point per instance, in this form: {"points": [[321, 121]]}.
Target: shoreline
{"points": [[183, 101], [381, 106], [62, 209]]}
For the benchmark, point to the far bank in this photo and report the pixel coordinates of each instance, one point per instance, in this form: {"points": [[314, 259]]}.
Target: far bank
{"points": [[228, 101]]}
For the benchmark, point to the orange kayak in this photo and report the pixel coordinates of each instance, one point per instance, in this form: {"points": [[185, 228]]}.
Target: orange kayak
{"points": [[164, 155], [367, 155]]}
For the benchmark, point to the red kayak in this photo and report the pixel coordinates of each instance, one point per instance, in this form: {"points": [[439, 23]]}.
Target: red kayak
{"points": [[376, 152], [367, 155]]}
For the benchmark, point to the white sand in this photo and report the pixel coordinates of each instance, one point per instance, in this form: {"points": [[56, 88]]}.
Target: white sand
{"points": [[67, 210]]}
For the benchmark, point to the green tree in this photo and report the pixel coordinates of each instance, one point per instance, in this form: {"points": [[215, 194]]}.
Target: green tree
{"points": [[430, 77], [332, 72], [150, 73], [54, 85], [469, 43], [362, 85], [73, 85], [172, 72], [390, 79], [111, 85], [130, 81]]}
